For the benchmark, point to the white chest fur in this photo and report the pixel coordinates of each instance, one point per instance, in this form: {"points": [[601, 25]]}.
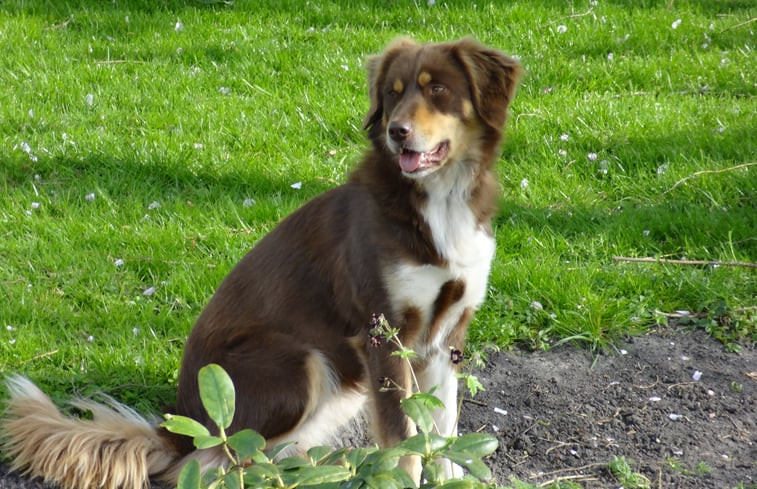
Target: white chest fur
{"points": [[468, 250]]}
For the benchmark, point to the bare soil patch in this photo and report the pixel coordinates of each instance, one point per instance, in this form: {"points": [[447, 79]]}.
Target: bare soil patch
{"points": [[563, 414], [566, 419]]}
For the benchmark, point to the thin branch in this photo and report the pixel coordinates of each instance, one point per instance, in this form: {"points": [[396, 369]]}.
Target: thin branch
{"points": [[119, 61], [37, 357], [705, 172], [574, 16], [739, 24], [715, 263]]}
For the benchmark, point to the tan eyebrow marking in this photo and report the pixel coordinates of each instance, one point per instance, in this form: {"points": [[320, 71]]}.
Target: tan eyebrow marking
{"points": [[424, 78], [398, 86]]}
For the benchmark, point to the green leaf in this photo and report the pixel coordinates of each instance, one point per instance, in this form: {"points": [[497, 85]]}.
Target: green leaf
{"points": [[478, 444], [475, 466], [416, 444], [384, 460], [458, 484], [183, 425], [322, 475], [319, 453], [263, 471], [383, 481], [473, 385], [246, 443], [231, 479], [275, 451], [207, 441], [189, 477], [217, 394], [419, 412]]}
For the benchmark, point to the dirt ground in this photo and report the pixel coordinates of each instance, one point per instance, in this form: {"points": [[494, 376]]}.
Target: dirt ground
{"points": [[557, 417]]}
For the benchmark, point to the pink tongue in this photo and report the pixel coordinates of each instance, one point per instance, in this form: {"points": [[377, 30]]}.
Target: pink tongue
{"points": [[410, 161]]}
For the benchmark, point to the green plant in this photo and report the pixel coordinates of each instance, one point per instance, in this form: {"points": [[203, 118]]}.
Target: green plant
{"points": [[621, 470], [252, 464]]}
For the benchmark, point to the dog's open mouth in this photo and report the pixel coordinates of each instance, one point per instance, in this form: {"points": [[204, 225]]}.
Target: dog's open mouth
{"points": [[414, 161]]}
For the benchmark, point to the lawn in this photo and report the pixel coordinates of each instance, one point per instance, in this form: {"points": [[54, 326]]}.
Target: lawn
{"points": [[145, 146]]}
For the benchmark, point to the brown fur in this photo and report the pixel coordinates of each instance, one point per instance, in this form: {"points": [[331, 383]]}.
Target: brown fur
{"points": [[409, 236]]}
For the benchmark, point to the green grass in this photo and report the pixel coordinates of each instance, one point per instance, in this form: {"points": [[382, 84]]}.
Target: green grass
{"points": [[200, 106]]}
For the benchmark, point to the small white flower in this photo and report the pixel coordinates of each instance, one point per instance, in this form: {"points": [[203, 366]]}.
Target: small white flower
{"points": [[592, 156], [135, 331], [296, 185], [10, 328], [561, 29], [610, 56], [564, 137], [524, 183], [178, 27], [89, 100], [154, 205], [12, 341], [562, 152], [149, 291], [35, 205], [310, 30], [126, 19], [645, 232], [31, 113], [623, 352], [119, 262], [179, 50], [345, 67], [431, 3], [89, 197], [604, 167], [198, 146], [25, 147], [248, 202], [662, 168], [721, 129], [37, 177], [675, 23], [90, 338], [697, 375], [537, 306]]}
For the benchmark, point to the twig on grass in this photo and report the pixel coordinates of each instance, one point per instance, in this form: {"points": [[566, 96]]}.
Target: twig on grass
{"points": [[715, 263], [37, 357], [119, 61], [705, 172], [574, 16], [739, 24]]}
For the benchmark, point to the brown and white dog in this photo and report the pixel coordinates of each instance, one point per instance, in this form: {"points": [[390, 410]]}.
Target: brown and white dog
{"points": [[408, 236]]}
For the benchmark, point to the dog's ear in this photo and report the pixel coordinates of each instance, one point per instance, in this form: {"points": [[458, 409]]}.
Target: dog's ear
{"points": [[493, 77], [376, 67]]}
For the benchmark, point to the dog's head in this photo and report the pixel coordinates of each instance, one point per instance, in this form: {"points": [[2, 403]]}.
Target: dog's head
{"points": [[432, 103]]}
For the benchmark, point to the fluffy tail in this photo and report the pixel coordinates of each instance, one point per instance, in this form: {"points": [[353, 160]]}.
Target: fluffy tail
{"points": [[117, 449]]}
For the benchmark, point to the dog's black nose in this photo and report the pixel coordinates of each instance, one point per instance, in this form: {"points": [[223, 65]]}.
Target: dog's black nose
{"points": [[400, 131]]}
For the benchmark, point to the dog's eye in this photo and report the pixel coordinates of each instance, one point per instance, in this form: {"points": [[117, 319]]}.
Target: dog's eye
{"points": [[437, 89], [392, 93]]}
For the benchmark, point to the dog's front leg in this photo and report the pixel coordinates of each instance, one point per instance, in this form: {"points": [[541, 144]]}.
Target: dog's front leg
{"points": [[440, 374], [391, 382]]}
